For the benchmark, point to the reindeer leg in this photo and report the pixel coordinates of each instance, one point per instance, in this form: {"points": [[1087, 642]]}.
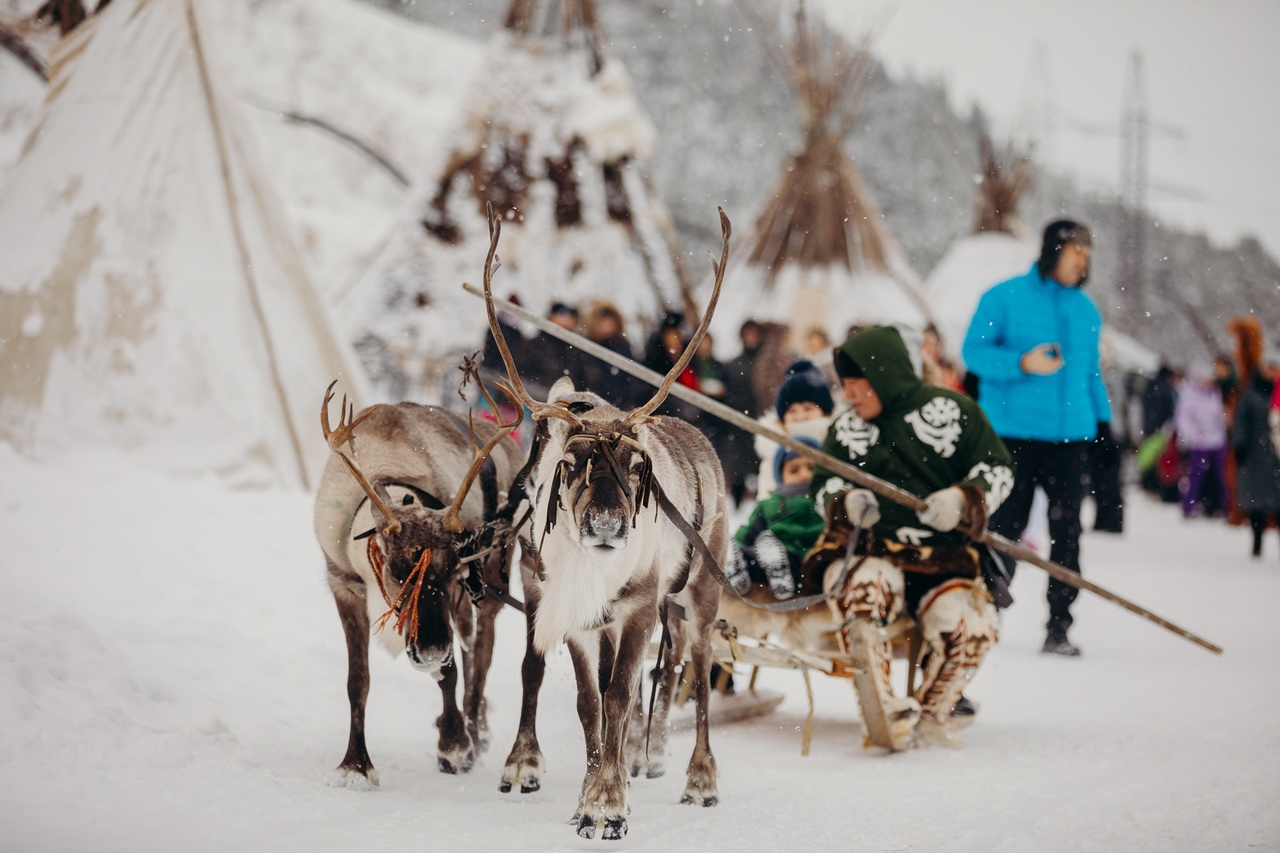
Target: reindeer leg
{"points": [[647, 739], [524, 763], [455, 751], [589, 705], [605, 796], [481, 657], [356, 770], [700, 789]]}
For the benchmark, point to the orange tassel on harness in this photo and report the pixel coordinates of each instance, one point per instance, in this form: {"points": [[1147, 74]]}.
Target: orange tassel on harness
{"points": [[409, 592]]}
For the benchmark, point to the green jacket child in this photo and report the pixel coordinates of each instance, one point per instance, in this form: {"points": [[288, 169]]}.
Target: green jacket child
{"points": [[770, 547]]}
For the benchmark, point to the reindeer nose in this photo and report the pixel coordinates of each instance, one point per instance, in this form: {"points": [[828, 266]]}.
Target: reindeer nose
{"points": [[606, 529], [430, 660]]}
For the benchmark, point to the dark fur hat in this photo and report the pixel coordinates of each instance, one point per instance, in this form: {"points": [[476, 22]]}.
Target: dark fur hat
{"points": [[803, 382], [1057, 235]]}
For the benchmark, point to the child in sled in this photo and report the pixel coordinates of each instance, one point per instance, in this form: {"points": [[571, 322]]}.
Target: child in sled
{"points": [[770, 547]]}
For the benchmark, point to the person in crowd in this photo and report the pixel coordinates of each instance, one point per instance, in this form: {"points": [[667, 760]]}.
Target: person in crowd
{"points": [[663, 350], [1034, 341], [1158, 398], [739, 458], [770, 547], [1273, 417], [936, 368], [1200, 422], [1228, 381], [713, 381], [817, 349], [770, 364], [603, 324], [1107, 454], [937, 444], [1257, 461], [550, 358], [803, 407]]}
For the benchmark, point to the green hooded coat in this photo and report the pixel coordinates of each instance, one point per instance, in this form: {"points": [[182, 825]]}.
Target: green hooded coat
{"points": [[925, 439]]}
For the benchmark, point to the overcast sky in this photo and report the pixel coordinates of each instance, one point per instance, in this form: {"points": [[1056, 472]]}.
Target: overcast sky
{"points": [[1212, 73]]}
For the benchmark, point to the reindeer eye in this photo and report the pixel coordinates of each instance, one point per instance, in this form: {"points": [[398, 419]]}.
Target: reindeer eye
{"points": [[580, 407], [408, 500]]}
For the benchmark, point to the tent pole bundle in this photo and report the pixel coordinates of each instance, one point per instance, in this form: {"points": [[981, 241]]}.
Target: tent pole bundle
{"points": [[849, 472]]}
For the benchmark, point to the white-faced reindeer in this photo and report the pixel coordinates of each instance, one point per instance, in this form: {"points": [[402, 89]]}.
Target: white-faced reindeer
{"points": [[394, 523], [627, 510]]}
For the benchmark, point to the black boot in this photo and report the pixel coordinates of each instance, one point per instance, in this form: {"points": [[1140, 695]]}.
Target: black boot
{"points": [[1058, 644], [963, 713]]}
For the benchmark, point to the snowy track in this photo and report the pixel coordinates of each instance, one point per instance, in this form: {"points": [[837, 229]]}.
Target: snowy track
{"points": [[172, 677]]}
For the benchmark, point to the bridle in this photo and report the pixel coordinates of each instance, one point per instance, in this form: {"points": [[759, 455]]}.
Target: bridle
{"points": [[596, 458]]}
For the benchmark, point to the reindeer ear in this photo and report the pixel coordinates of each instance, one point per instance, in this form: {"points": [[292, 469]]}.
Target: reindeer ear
{"points": [[562, 388], [381, 491]]}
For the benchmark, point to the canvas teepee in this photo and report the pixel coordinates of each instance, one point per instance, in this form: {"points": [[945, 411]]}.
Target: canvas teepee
{"points": [[821, 255], [151, 299], [555, 140], [999, 247]]}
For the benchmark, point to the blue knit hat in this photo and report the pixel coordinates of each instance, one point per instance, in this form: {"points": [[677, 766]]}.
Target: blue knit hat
{"points": [[785, 453], [803, 382]]}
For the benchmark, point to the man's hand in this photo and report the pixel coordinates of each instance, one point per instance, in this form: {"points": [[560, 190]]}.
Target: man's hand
{"points": [[944, 509], [862, 507], [1041, 360]]}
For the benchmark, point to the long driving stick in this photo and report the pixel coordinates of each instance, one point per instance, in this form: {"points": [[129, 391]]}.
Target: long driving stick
{"points": [[844, 469]]}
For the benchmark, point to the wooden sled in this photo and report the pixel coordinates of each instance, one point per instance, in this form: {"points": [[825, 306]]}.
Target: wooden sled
{"points": [[805, 640]]}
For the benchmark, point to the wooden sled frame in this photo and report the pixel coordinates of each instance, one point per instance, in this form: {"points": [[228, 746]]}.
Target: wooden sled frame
{"points": [[729, 649]]}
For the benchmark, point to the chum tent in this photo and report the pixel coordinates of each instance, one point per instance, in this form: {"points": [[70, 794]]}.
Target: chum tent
{"points": [[152, 300], [554, 138], [820, 254], [999, 247]]}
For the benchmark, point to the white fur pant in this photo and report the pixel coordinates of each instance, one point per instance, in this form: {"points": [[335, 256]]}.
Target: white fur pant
{"points": [[956, 619]]}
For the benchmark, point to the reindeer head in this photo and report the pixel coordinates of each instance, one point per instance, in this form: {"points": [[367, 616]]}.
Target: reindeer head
{"points": [[602, 473], [598, 471], [414, 546]]}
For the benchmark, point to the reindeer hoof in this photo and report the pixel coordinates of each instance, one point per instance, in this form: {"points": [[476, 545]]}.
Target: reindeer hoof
{"points": [[528, 786], [355, 779], [614, 829], [655, 771], [504, 787], [699, 800], [455, 766], [586, 827]]}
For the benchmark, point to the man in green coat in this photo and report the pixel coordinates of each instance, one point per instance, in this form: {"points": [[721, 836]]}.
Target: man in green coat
{"points": [[935, 443]]}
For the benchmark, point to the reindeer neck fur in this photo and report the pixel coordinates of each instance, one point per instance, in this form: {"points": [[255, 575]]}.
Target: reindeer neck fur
{"points": [[584, 587]]}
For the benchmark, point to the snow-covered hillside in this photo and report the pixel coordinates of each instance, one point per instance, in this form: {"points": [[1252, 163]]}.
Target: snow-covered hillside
{"points": [[172, 677]]}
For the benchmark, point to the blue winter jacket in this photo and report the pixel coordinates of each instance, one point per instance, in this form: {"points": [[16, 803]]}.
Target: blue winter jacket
{"points": [[1016, 316]]}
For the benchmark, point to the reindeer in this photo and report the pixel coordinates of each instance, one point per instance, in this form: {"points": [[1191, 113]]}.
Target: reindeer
{"points": [[627, 511], [396, 556]]}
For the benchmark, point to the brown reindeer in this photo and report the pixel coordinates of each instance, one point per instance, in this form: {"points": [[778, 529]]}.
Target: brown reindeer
{"points": [[404, 536], [627, 510]]}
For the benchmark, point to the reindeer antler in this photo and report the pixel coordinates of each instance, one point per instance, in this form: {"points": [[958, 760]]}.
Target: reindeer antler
{"points": [[451, 521], [540, 411], [345, 434], [640, 415]]}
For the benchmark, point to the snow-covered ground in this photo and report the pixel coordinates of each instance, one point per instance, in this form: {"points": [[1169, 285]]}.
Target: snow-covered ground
{"points": [[172, 678]]}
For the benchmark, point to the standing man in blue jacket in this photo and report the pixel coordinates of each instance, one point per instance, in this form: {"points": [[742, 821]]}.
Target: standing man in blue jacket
{"points": [[1033, 342]]}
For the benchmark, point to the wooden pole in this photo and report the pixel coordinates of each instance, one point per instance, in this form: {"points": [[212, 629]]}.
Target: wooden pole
{"points": [[836, 466]]}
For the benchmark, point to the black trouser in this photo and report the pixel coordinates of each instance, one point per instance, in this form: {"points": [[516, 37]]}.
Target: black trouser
{"points": [[1104, 476], [1061, 469]]}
